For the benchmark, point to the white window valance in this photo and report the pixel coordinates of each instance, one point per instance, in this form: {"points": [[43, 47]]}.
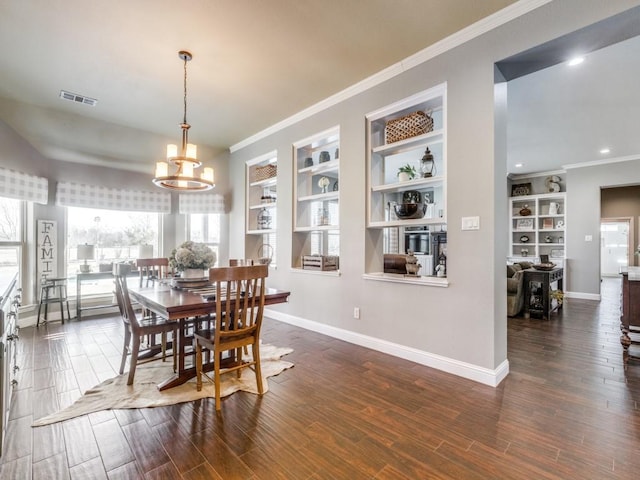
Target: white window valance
{"points": [[23, 186], [94, 196], [201, 203]]}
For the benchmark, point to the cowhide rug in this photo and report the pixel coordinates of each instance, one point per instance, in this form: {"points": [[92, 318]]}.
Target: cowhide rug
{"points": [[116, 394]]}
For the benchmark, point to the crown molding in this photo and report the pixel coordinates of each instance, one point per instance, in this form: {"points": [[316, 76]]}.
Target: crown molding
{"points": [[481, 27], [596, 163], [522, 176]]}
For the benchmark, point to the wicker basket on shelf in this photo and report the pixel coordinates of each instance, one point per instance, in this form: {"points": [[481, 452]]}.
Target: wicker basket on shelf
{"points": [[265, 172], [416, 123]]}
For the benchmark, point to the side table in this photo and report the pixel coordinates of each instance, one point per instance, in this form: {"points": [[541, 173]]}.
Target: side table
{"points": [[541, 300]]}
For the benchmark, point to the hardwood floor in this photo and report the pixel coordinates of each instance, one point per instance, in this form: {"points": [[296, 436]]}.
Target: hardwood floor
{"points": [[567, 410]]}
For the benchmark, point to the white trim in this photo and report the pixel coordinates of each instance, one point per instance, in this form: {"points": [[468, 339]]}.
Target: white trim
{"points": [[583, 296], [595, 163], [523, 176], [477, 29], [476, 373]]}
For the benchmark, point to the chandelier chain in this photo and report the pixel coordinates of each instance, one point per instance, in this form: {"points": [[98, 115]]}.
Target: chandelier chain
{"points": [[185, 90]]}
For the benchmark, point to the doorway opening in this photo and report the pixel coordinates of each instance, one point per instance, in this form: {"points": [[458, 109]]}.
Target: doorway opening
{"points": [[615, 245]]}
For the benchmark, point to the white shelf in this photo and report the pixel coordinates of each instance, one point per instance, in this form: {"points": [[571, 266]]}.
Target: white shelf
{"points": [[326, 167], [415, 184], [419, 141], [317, 228], [539, 206], [261, 231], [268, 182], [385, 231], [410, 279], [260, 206], [319, 197], [316, 215]]}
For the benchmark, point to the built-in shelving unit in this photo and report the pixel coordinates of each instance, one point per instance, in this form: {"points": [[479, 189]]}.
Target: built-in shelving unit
{"points": [[261, 200], [387, 232], [538, 226], [316, 206]]}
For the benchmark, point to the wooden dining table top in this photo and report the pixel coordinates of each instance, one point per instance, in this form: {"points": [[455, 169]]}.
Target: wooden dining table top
{"points": [[174, 303]]}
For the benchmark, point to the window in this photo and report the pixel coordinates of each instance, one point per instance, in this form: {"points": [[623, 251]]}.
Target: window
{"points": [[11, 236], [205, 228], [116, 236]]}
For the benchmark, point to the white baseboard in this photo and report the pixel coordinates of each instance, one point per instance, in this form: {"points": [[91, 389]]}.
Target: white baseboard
{"points": [[583, 296], [462, 369]]}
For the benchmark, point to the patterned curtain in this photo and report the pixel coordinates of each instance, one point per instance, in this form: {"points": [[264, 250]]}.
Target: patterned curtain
{"points": [[201, 203], [93, 196], [23, 186]]}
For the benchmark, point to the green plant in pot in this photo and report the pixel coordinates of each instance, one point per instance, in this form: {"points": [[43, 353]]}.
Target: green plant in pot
{"points": [[406, 172]]}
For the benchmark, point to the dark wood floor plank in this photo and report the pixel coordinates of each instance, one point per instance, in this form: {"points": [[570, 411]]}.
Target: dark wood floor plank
{"points": [[113, 445], [178, 446], [203, 472], [47, 441], [129, 471], [91, 469], [145, 445], [52, 467], [18, 439], [20, 468], [567, 410], [80, 441], [168, 471]]}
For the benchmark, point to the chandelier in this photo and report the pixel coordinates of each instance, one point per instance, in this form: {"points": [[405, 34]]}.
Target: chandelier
{"points": [[185, 160]]}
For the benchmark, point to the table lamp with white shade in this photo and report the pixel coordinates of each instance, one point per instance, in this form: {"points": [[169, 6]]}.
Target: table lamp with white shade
{"points": [[85, 252], [145, 251]]}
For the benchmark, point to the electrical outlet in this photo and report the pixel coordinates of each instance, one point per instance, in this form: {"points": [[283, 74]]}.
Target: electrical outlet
{"points": [[356, 312]]}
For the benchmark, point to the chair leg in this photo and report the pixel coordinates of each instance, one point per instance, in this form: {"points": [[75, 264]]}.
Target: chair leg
{"points": [[134, 359], [239, 361], [216, 378], [257, 368], [198, 366], [174, 349], [125, 349]]}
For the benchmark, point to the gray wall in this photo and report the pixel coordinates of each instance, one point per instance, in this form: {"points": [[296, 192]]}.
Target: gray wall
{"points": [[465, 322], [583, 218], [19, 155]]}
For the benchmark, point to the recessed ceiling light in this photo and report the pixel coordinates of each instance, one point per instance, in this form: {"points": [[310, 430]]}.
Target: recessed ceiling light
{"points": [[576, 61], [519, 165], [605, 150]]}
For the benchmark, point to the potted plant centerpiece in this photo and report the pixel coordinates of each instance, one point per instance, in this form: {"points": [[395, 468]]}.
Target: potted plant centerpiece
{"points": [[406, 172], [191, 259]]}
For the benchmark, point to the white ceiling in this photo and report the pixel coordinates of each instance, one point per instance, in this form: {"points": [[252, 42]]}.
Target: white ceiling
{"points": [[255, 63], [565, 115]]}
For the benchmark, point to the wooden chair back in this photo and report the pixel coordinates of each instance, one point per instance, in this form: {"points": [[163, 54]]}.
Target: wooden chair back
{"points": [[120, 273], [235, 262], [153, 269], [239, 304]]}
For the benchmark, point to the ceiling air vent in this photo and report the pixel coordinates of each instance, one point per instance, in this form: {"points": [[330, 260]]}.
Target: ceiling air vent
{"points": [[74, 97]]}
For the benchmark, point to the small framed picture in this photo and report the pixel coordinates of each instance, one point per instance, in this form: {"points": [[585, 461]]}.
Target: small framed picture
{"points": [[560, 224], [557, 253], [519, 189], [524, 224], [547, 223]]}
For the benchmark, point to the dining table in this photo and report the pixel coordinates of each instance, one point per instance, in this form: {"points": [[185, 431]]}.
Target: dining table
{"points": [[184, 305]]}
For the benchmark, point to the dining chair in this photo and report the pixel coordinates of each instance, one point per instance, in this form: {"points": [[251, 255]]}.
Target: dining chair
{"points": [[239, 298], [235, 262], [137, 328], [153, 269]]}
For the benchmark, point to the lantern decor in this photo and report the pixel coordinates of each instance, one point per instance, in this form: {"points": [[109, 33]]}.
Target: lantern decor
{"points": [[264, 219], [427, 164]]}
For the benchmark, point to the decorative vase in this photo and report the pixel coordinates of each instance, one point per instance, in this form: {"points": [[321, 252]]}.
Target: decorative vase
{"points": [[192, 273], [403, 177], [525, 211], [324, 156]]}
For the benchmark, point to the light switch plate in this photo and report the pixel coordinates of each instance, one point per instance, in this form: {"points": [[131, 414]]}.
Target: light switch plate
{"points": [[470, 223]]}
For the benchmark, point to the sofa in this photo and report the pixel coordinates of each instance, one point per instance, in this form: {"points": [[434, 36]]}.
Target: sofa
{"points": [[515, 287]]}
